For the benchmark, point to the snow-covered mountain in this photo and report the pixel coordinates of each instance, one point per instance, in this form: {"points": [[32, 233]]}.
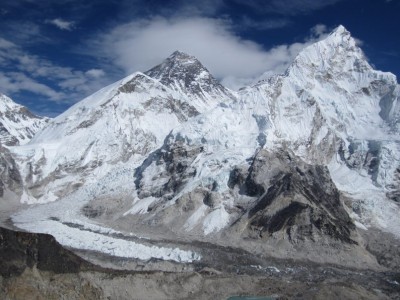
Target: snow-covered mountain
{"points": [[121, 123], [290, 166], [17, 127], [330, 108], [17, 124]]}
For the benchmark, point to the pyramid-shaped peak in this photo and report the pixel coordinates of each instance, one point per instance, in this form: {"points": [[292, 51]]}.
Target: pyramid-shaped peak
{"points": [[341, 30], [6, 103], [339, 36], [177, 66], [179, 58], [338, 54], [340, 40], [185, 73], [180, 55]]}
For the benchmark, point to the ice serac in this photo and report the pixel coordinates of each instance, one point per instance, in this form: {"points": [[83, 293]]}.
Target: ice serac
{"points": [[17, 124]]}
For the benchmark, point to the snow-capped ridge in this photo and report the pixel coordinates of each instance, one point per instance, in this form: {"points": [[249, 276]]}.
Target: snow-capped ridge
{"points": [[17, 124], [339, 46], [340, 30], [317, 57]]}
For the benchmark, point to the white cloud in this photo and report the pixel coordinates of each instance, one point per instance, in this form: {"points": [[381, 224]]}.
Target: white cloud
{"points": [[95, 73], [138, 46], [287, 7], [319, 29], [266, 24], [13, 82], [22, 71], [4, 44], [62, 24]]}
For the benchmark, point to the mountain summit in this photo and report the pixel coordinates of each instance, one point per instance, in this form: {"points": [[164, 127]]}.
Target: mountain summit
{"points": [[184, 73], [180, 67], [295, 166]]}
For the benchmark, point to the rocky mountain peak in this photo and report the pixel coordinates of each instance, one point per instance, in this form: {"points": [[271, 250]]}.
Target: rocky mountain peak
{"points": [[179, 55], [338, 47], [183, 69], [341, 38], [341, 30], [185, 73], [175, 67]]}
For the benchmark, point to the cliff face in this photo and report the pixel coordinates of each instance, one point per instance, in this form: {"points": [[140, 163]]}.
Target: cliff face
{"points": [[36, 266], [21, 250]]}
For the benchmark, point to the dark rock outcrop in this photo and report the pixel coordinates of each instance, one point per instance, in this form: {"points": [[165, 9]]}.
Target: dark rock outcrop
{"points": [[21, 250], [294, 198], [10, 177], [173, 161], [183, 72]]}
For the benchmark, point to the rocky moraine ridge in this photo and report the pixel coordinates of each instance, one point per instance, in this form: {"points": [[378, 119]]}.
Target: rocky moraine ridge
{"points": [[288, 187]]}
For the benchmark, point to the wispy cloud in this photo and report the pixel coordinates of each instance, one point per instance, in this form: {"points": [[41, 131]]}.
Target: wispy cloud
{"points": [[22, 71], [286, 7], [140, 45], [14, 82], [264, 24], [5, 44], [22, 32], [95, 73], [62, 24]]}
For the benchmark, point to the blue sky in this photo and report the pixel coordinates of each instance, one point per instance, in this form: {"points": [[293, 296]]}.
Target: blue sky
{"points": [[54, 53]]}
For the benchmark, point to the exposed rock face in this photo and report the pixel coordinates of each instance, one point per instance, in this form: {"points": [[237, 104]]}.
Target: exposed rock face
{"points": [[291, 199], [184, 73], [295, 200], [10, 177], [20, 250], [173, 163]]}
